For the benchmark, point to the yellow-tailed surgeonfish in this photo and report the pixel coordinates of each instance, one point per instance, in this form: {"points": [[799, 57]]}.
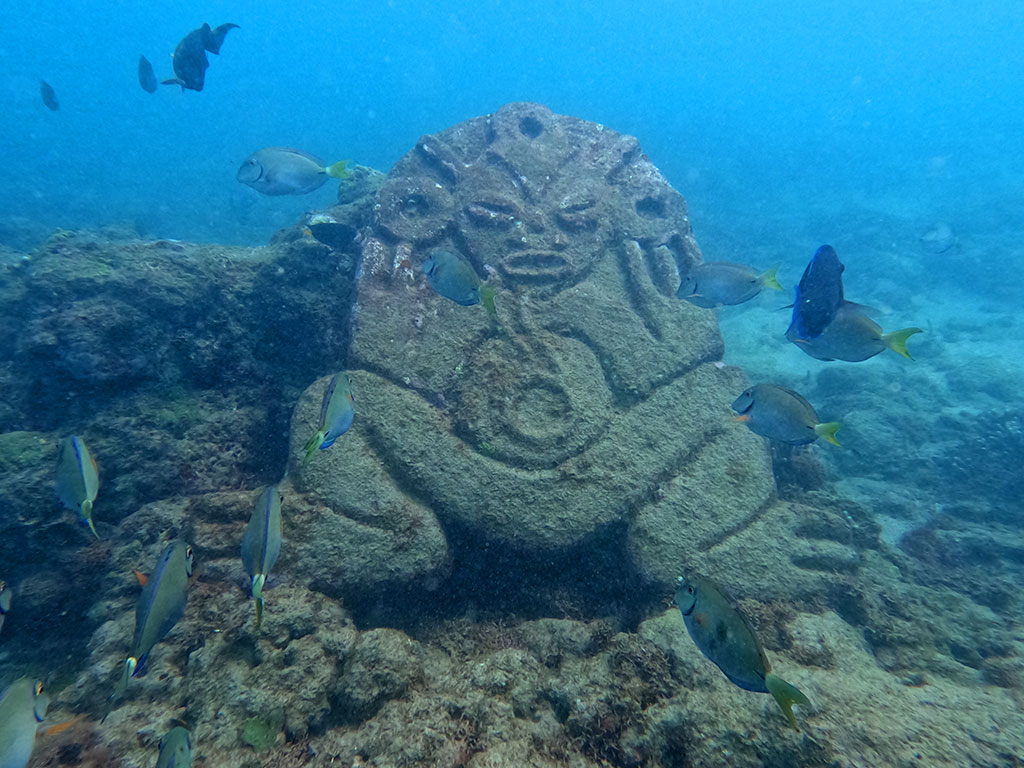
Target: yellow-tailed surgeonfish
{"points": [[723, 634], [5, 602], [22, 708], [78, 479], [161, 605], [452, 276], [337, 410], [175, 749], [261, 543], [715, 283], [782, 414], [853, 336], [287, 171]]}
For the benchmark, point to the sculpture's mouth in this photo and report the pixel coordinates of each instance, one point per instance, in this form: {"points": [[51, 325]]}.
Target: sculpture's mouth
{"points": [[536, 267]]}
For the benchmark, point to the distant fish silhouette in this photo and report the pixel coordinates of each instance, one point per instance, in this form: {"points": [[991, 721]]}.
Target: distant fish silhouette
{"points": [[49, 96], [190, 62], [147, 78]]}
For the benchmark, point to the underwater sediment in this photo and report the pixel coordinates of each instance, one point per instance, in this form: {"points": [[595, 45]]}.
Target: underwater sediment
{"points": [[477, 572]]}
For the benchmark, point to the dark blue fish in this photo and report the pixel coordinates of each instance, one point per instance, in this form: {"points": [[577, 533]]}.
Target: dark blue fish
{"points": [[818, 296], [5, 602], [147, 78], [49, 96], [189, 57]]}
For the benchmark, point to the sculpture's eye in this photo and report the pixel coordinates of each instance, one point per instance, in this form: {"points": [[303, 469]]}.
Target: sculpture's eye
{"points": [[491, 214]]}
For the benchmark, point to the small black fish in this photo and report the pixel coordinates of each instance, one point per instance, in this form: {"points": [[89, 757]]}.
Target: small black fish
{"points": [[189, 57], [147, 78], [818, 296], [49, 96]]}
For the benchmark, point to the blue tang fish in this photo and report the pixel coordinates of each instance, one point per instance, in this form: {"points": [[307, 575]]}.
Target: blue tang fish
{"points": [[723, 634], [175, 749], [261, 543], [337, 411], [78, 478], [5, 602], [22, 708], [818, 295]]}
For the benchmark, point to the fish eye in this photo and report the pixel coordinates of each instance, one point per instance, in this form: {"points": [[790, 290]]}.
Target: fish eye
{"points": [[188, 551], [690, 589]]}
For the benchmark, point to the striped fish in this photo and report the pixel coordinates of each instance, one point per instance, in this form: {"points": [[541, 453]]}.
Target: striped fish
{"points": [[161, 605], [22, 708], [337, 411], [78, 479], [262, 543]]}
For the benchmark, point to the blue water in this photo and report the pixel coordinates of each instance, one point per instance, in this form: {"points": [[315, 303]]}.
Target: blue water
{"points": [[749, 110]]}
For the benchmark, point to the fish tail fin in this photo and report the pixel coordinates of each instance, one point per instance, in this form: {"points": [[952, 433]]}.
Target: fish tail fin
{"points": [[215, 38], [312, 444], [487, 299], [257, 585], [338, 170], [769, 279], [86, 510], [786, 696], [827, 432], [897, 340]]}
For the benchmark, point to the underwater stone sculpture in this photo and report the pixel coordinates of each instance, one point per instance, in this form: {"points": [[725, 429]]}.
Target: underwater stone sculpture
{"points": [[594, 398]]}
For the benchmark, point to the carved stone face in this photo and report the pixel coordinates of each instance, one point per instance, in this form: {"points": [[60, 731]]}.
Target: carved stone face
{"points": [[594, 387]]}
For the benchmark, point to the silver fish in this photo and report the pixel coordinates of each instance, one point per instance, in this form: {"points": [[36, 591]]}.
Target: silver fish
{"points": [[261, 543], [78, 478], [287, 171], [22, 708], [161, 605], [175, 749]]}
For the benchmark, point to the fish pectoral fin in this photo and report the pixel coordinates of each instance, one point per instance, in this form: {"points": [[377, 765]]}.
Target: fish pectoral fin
{"points": [[142, 578], [786, 696], [741, 417], [174, 81], [53, 730]]}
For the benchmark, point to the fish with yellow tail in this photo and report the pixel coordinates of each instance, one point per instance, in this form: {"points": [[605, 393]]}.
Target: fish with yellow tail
{"points": [[717, 283], [337, 411], [22, 708], [161, 605], [724, 636], [261, 543], [451, 275], [852, 336], [78, 478], [782, 414]]}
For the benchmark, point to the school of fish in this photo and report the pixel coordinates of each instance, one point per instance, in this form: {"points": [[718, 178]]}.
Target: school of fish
{"points": [[823, 324]]}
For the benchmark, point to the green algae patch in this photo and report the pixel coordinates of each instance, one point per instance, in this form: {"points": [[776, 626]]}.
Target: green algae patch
{"points": [[19, 450], [259, 733]]}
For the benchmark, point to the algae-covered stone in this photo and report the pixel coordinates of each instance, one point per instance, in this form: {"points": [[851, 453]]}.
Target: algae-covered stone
{"points": [[383, 665], [592, 390]]}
